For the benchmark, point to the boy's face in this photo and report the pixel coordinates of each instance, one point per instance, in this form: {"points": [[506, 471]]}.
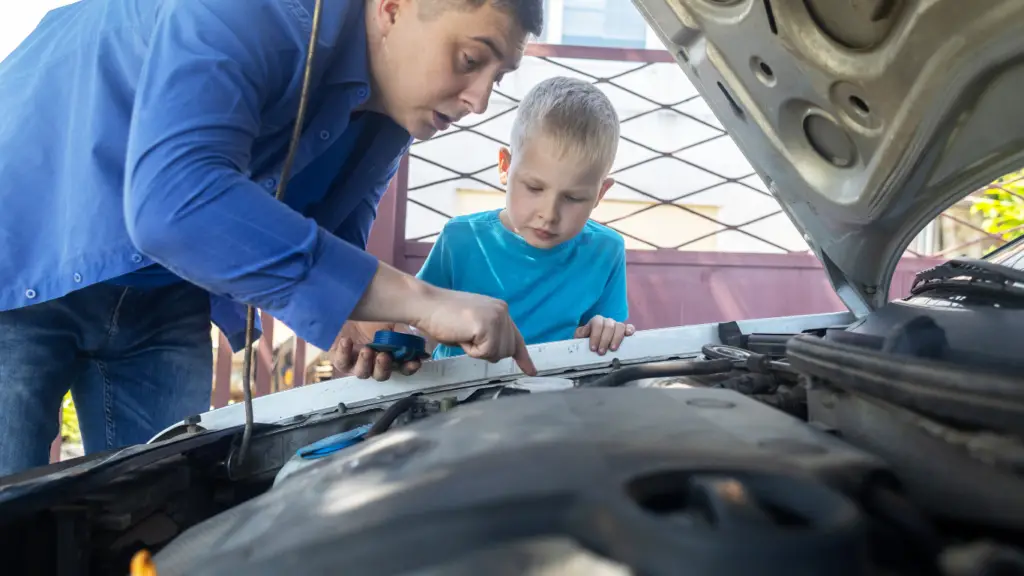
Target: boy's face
{"points": [[550, 192], [434, 61]]}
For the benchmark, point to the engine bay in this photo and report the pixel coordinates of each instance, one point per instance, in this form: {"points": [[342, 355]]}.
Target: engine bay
{"points": [[883, 445]]}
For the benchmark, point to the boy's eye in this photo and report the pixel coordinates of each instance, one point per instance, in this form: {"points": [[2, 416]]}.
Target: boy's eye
{"points": [[574, 199], [533, 188]]}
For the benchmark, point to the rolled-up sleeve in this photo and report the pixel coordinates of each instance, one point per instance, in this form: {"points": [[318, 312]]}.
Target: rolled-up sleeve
{"points": [[212, 66]]}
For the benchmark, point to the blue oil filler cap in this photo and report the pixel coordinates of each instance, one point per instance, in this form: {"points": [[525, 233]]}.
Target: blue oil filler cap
{"points": [[403, 347]]}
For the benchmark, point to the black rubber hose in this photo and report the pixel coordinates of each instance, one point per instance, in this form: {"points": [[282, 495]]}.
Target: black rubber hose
{"points": [[959, 394], [661, 370], [391, 414]]}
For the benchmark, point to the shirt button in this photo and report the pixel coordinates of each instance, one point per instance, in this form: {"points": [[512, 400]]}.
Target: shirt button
{"points": [[324, 134], [136, 258], [77, 277], [30, 294], [269, 183]]}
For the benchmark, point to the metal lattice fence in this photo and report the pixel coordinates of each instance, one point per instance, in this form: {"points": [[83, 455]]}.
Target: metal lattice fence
{"points": [[675, 160]]}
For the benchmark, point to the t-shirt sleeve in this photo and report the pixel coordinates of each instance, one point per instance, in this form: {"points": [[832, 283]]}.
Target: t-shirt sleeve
{"points": [[437, 268], [612, 302]]}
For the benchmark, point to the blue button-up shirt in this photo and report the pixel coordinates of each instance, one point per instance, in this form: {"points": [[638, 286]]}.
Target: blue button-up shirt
{"points": [[137, 132]]}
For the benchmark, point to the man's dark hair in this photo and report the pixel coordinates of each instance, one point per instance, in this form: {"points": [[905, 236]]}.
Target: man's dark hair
{"points": [[529, 14]]}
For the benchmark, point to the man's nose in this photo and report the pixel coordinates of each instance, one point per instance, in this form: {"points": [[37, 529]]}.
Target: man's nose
{"points": [[478, 94]]}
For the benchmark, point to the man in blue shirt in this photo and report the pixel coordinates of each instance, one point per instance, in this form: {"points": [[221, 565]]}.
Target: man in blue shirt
{"points": [[140, 146], [563, 275]]}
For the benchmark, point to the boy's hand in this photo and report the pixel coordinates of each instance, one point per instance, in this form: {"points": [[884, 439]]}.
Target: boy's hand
{"points": [[605, 334], [350, 354]]}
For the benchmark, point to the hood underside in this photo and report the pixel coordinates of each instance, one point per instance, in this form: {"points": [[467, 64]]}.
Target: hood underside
{"points": [[865, 118]]}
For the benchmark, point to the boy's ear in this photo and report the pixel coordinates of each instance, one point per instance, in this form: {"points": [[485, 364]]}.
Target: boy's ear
{"points": [[504, 162], [608, 183]]}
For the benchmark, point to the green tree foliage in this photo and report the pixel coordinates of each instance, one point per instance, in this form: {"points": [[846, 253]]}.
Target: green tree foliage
{"points": [[69, 422], [1001, 206]]}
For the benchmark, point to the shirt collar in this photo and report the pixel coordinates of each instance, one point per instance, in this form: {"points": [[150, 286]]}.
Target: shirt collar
{"points": [[519, 244]]}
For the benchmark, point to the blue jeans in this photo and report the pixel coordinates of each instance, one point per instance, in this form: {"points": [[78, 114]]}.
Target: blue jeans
{"points": [[135, 359]]}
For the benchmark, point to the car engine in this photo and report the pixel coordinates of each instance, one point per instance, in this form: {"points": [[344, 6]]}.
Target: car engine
{"points": [[891, 445]]}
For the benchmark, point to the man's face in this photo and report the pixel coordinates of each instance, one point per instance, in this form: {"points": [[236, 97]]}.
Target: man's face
{"points": [[550, 191], [432, 69]]}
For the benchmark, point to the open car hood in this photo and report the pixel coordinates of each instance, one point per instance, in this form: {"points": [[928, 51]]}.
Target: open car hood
{"points": [[865, 118]]}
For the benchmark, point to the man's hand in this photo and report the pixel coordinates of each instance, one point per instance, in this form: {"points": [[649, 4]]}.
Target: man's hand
{"points": [[480, 325], [350, 354], [605, 334]]}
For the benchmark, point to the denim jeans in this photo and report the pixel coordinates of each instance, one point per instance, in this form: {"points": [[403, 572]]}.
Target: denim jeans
{"points": [[135, 359]]}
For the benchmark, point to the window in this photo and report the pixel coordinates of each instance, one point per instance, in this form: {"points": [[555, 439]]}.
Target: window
{"points": [[609, 23]]}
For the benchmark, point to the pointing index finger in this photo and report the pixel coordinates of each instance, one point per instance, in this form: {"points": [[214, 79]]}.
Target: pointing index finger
{"points": [[522, 356]]}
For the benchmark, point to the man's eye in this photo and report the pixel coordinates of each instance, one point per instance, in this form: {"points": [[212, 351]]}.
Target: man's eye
{"points": [[468, 62]]}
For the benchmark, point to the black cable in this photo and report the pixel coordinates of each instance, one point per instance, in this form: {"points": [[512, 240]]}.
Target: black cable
{"points": [[661, 370], [391, 414], [248, 363]]}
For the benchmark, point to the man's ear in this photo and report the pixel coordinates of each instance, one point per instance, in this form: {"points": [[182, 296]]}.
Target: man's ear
{"points": [[504, 162], [608, 183], [385, 14]]}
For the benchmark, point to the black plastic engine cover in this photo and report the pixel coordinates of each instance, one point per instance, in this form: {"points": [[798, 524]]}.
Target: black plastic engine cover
{"points": [[649, 481]]}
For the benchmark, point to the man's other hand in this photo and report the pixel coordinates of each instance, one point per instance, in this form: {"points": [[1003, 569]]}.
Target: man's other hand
{"points": [[480, 325], [350, 355]]}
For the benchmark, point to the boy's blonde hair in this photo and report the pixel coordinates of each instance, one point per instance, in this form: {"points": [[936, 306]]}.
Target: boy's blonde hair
{"points": [[574, 112]]}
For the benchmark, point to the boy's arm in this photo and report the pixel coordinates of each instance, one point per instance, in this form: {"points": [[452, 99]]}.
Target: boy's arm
{"points": [[613, 302], [605, 322]]}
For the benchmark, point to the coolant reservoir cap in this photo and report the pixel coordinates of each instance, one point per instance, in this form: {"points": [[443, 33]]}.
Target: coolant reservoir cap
{"points": [[544, 384]]}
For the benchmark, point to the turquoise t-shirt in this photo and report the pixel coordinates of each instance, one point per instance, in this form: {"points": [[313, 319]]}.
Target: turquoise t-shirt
{"points": [[549, 293]]}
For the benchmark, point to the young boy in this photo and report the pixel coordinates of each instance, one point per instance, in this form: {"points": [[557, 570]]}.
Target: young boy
{"points": [[562, 275]]}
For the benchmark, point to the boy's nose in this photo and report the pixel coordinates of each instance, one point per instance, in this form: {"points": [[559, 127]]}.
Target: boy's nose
{"points": [[549, 212]]}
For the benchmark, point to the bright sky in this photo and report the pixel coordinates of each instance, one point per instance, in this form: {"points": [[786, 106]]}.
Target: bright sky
{"points": [[19, 17]]}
